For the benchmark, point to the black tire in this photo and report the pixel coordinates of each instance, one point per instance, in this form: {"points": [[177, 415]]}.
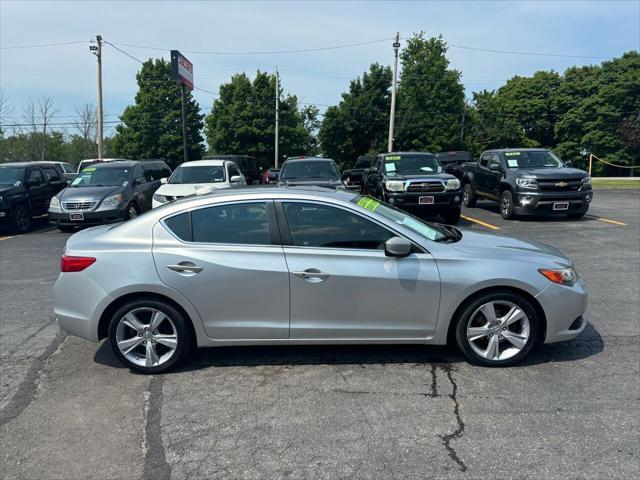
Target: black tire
{"points": [[468, 198], [452, 217], [66, 228], [472, 307], [132, 211], [21, 219], [185, 340], [507, 209]]}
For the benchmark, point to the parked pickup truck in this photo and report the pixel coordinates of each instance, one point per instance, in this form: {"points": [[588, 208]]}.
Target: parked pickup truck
{"points": [[453, 162], [527, 181], [414, 181], [352, 178]]}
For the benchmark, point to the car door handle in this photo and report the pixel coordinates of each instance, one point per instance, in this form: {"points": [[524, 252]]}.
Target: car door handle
{"points": [[186, 267], [312, 274]]}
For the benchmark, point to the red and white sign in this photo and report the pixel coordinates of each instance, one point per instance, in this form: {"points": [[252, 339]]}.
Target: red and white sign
{"points": [[181, 69]]}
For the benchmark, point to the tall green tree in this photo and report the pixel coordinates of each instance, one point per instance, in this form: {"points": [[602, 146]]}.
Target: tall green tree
{"points": [[431, 98], [152, 127], [242, 120], [359, 123]]}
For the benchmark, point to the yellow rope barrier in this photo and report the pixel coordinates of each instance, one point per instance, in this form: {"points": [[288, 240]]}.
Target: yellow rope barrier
{"points": [[592, 156]]}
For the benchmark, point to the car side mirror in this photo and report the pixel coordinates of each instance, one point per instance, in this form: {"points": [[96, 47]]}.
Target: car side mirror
{"points": [[568, 163], [235, 179], [397, 247], [495, 167], [163, 180]]}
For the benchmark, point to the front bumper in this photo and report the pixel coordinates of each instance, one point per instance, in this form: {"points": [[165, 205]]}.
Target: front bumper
{"points": [[90, 218], [411, 200], [542, 203], [564, 308]]}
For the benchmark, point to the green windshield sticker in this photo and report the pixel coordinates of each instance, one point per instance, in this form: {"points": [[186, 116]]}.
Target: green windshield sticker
{"points": [[512, 154], [391, 158], [89, 169], [369, 203], [512, 163]]}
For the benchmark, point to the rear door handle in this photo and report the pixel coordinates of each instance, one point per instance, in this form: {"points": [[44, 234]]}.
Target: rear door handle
{"points": [[186, 267]]}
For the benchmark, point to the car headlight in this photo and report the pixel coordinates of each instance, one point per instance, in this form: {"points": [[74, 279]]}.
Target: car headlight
{"points": [[160, 198], [110, 203], [54, 204], [586, 181], [394, 185], [453, 184], [527, 182], [563, 276]]}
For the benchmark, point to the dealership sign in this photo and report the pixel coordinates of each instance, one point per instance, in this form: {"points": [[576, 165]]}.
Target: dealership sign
{"points": [[181, 69]]}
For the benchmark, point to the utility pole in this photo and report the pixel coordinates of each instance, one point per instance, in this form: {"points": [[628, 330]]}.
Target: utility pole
{"points": [[277, 141], [97, 51], [392, 116], [183, 102], [464, 114]]}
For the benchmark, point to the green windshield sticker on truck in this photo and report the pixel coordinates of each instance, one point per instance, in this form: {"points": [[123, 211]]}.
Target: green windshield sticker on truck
{"points": [[512, 154], [89, 169], [512, 163], [369, 203], [391, 158]]}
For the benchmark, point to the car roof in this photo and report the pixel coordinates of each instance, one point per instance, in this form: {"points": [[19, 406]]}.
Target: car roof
{"points": [[116, 163], [502, 150], [308, 159], [41, 163], [406, 153], [204, 163]]}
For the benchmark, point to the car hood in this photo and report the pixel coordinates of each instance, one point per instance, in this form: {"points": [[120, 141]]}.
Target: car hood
{"points": [[71, 194], [184, 189], [6, 189], [422, 176], [487, 245], [554, 173]]}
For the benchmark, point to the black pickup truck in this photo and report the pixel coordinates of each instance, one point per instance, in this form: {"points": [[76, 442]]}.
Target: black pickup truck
{"points": [[453, 162], [527, 181], [352, 178], [414, 181]]}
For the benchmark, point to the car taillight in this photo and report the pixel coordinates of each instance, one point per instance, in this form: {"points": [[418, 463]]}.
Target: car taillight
{"points": [[75, 264]]}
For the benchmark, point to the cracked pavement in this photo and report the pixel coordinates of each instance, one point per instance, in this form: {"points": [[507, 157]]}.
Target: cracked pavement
{"points": [[69, 410]]}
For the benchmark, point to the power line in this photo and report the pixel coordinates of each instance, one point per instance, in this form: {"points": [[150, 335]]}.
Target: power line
{"points": [[15, 47], [273, 52], [122, 51], [535, 54]]}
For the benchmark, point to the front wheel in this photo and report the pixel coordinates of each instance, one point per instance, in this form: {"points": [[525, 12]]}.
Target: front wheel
{"points": [[506, 205], [497, 329], [468, 198], [452, 217], [132, 211], [21, 219], [149, 336]]}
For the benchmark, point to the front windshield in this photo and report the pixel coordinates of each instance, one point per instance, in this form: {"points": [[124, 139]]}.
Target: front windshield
{"points": [[431, 231], [101, 177], [411, 163], [321, 170], [198, 174], [532, 159], [11, 175]]}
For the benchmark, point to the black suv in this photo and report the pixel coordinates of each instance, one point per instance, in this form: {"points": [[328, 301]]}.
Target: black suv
{"points": [[310, 171], [527, 181], [25, 191], [108, 192], [414, 181]]}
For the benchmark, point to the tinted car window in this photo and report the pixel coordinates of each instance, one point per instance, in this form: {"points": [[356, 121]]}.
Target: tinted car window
{"points": [[11, 175], [242, 223], [138, 174], [104, 176], [180, 226], [198, 174], [495, 160], [315, 225], [485, 159], [411, 163], [149, 171], [36, 177], [233, 170], [363, 162], [310, 169], [51, 174]]}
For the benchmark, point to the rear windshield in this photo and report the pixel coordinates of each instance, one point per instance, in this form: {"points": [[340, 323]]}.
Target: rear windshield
{"points": [[101, 177], [454, 157], [320, 170], [532, 159], [198, 174], [411, 163], [11, 175]]}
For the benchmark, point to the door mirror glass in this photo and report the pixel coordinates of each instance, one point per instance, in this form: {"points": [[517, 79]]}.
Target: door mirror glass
{"points": [[397, 247], [236, 179], [163, 180]]}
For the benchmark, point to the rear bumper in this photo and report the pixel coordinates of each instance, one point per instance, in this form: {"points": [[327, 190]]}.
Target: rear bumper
{"points": [[564, 309], [537, 203], [410, 200], [90, 218]]}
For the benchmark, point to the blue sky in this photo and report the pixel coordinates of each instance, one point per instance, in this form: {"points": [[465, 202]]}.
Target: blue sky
{"points": [[67, 72]]}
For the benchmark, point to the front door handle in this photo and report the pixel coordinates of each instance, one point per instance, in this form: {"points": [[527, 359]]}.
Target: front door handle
{"points": [[312, 275], [185, 267]]}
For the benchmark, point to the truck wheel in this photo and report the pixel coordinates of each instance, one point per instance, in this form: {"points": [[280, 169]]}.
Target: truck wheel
{"points": [[452, 217], [21, 219], [468, 198], [506, 205]]}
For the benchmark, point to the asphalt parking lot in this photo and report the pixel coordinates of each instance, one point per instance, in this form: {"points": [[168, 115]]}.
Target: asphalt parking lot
{"points": [[68, 409]]}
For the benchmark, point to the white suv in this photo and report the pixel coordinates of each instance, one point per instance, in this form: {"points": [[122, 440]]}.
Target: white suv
{"points": [[198, 177]]}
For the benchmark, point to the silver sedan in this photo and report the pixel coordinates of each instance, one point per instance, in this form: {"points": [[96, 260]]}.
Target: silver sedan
{"points": [[309, 266]]}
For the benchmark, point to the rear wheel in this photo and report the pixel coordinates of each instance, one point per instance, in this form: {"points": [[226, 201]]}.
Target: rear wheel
{"points": [[150, 336], [497, 329], [132, 211], [21, 219], [506, 205], [452, 217], [468, 198]]}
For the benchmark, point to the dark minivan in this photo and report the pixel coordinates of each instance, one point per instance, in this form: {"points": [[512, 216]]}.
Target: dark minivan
{"points": [[108, 192]]}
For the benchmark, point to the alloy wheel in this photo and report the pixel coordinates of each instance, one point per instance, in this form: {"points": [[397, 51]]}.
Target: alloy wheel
{"points": [[132, 212], [147, 337], [498, 330], [465, 195], [505, 205], [22, 219]]}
